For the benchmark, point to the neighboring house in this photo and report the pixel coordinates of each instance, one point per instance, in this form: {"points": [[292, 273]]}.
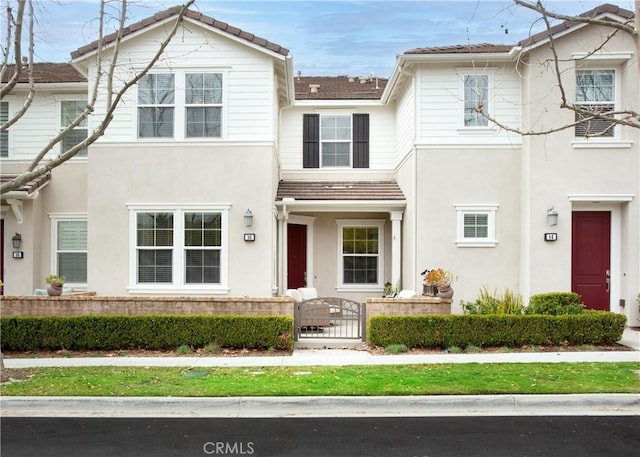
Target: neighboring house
{"points": [[224, 173]]}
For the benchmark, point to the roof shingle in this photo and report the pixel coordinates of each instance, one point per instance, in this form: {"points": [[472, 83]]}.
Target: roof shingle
{"points": [[339, 87], [339, 190], [46, 73]]}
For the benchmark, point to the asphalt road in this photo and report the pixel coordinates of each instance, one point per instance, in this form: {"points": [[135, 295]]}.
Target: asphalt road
{"points": [[583, 436]]}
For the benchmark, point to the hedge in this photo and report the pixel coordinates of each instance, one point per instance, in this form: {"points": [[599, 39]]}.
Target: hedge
{"points": [[591, 327], [154, 332]]}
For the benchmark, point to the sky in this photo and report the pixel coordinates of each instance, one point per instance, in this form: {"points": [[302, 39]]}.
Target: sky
{"points": [[325, 38]]}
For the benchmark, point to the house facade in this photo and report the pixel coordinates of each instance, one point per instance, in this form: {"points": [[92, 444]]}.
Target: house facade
{"points": [[225, 173]]}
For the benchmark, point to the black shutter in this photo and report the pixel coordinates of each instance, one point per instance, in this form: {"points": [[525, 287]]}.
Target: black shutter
{"points": [[311, 141], [360, 141]]}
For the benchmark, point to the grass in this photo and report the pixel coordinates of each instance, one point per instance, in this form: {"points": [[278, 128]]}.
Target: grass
{"points": [[440, 379]]}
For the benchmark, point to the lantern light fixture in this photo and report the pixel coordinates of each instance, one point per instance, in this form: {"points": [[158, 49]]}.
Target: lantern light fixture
{"points": [[248, 218], [552, 217], [17, 241]]}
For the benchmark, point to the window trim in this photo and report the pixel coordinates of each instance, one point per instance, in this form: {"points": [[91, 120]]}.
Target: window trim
{"points": [[464, 73], [79, 155], [66, 217], [616, 97], [180, 106], [488, 209], [379, 224], [178, 284]]}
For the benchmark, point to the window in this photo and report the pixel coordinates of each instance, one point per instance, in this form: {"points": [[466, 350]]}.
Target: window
{"points": [[178, 248], [156, 106], [69, 111], [203, 101], [476, 225], [595, 91], [361, 248], [335, 140], [4, 136], [476, 95], [70, 259]]}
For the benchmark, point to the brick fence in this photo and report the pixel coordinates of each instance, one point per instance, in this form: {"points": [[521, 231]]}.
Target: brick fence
{"points": [[89, 303]]}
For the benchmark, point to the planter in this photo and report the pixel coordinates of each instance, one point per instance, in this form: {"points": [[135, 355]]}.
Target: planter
{"points": [[54, 291], [429, 290], [445, 291]]}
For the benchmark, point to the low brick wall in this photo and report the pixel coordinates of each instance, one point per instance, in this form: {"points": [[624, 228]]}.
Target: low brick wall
{"points": [[407, 306], [88, 303]]}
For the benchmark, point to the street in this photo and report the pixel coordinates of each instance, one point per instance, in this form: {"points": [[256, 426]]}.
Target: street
{"points": [[584, 436]]}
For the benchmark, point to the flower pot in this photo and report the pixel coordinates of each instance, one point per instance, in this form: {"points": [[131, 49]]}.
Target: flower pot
{"points": [[429, 290], [54, 291], [445, 291]]}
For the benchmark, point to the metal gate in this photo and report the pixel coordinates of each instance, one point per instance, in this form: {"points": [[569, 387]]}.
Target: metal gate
{"points": [[335, 318]]}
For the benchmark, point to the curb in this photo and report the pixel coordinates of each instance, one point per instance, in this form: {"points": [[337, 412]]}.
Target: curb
{"points": [[283, 407]]}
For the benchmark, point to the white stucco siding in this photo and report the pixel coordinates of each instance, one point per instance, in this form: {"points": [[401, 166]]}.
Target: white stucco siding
{"points": [[440, 97], [39, 125], [381, 136], [247, 82]]}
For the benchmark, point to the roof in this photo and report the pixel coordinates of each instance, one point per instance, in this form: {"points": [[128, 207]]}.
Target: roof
{"points": [[485, 48], [340, 190], [46, 73], [339, 87], [174, 11], [463, 49], [606, 8], [31, 186]]}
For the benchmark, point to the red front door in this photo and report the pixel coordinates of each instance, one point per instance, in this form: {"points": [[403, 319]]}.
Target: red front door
{"points": [[296, 256], [590, 258]]}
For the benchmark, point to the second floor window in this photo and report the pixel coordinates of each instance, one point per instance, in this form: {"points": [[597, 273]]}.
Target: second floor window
{"points": [[4, 136], [166, 101], [69, 111], [156, 106], [595, 91], [203, 101], [476, 96], [335, 140]]}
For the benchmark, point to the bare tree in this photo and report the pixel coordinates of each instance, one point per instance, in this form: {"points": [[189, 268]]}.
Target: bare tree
{"points": [[585, 114], [16, 64]]}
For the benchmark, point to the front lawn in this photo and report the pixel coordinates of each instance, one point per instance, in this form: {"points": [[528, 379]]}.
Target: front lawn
{"points": [[440, 379]]}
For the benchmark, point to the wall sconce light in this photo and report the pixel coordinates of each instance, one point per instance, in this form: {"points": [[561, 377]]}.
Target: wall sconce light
{"points": [[248, 218], [17, 241], [552, 217]]}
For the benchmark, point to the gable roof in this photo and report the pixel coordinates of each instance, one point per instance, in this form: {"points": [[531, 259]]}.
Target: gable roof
{"points": [[605, 9], [339, 87], [46, 73], [194, 15], [463, 49]]}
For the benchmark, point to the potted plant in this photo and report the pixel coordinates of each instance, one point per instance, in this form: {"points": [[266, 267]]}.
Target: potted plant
{"points": [[441, 280], [55, 284]]}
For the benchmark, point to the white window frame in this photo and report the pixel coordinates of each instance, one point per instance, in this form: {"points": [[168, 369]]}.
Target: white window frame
{"points": [[489, 106], [379, 224], [484, 242], [66, 217], [180, 106], [614, 102], [178, 284], [84, 125], [348, 141], [203, 104]]}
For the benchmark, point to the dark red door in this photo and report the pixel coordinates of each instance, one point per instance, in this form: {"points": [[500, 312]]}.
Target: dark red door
{"points": [[590, 258], [296, 256]]}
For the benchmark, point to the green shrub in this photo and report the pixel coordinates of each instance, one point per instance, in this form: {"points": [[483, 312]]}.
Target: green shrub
{"points": [[445, 331], [508, 302], [154, 332], [183, 349], [396, 348], [555, 303]]}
